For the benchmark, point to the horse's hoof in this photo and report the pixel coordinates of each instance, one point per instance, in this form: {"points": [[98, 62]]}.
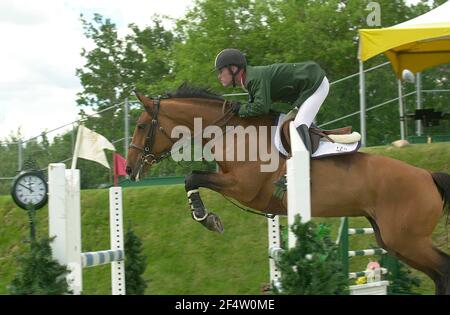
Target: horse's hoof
{"points": [[213, 223]]}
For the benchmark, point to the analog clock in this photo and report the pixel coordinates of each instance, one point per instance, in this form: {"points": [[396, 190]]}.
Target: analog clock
{"points": [[30, 188]]}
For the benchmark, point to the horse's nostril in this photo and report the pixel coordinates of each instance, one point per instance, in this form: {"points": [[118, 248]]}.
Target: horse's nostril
{"points": [[128, 170]]}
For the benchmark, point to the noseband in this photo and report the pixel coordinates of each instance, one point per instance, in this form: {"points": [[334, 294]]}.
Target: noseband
{"points": [[148, 157]]}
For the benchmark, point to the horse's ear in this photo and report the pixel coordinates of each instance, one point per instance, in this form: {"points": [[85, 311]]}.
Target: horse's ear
{"points": [[147, 102]]}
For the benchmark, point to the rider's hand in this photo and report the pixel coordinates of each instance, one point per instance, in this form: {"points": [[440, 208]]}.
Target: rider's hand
{"points": [[235, 106]]}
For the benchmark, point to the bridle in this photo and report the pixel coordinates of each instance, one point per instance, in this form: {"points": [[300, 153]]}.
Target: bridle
{"points": [[147, 157]]}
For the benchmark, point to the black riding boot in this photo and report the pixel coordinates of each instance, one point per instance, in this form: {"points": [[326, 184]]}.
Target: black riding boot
{"points": [[303, 131]]}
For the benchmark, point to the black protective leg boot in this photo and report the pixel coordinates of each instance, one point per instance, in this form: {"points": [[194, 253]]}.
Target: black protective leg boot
{"points": [[303, 131]]}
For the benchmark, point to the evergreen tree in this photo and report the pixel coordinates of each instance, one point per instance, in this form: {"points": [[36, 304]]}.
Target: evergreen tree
{"points": [[38, 273], [318, 274], [135, 264]]}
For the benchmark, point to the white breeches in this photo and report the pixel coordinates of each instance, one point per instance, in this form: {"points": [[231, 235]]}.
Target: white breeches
{"points": [[310, 107]]}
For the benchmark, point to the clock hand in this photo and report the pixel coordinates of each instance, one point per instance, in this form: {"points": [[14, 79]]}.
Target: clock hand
{"points": [[26, 187], [31, 185]]}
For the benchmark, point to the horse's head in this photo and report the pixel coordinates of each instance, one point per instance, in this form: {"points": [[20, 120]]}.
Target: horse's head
{"points": [[151, 143], [152, 140]]}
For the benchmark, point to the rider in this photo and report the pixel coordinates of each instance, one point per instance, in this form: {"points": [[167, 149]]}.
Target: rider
{"points": [[303, 85]]}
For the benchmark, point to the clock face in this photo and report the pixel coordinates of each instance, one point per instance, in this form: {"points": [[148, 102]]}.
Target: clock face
{"points": [[30, 188]]}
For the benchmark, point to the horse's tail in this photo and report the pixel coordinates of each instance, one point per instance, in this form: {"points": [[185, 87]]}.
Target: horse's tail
{"points": [[442, 181]]}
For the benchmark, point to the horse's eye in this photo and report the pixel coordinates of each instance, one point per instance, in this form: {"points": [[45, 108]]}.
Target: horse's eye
{"points": [[141, 126]]}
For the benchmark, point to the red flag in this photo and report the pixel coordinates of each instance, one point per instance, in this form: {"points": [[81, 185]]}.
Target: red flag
{"points": [[119, 167]]}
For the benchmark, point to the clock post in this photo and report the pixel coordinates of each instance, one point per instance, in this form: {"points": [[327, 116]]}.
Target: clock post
{"points": [[31, 211]]}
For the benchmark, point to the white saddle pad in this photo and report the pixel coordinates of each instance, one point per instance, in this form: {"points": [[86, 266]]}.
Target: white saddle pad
{"points": [[325, 148]]}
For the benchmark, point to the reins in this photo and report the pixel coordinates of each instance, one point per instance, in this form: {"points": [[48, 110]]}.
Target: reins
{"points": [[267, 215]]}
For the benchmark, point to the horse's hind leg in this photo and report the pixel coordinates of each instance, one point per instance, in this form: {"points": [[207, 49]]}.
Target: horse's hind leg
{"points": [[446, 276], [376, 231], [406, 221], [419, 254], [423, 256], [431, 261]]}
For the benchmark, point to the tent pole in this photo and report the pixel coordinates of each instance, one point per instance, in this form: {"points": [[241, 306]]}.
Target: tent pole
{"points": [[419, 101], [362, 103], [401, 110]]}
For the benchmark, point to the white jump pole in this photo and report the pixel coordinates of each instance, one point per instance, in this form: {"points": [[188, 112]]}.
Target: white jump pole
{"points": [[298, 183], [65, 224], [117, 244], [274, 249], [299, 200], [65, 221]]}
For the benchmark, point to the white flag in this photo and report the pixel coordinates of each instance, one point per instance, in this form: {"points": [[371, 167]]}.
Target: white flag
{"points": [[90, 146]]}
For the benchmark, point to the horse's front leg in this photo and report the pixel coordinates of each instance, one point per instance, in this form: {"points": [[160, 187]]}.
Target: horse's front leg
{"points": [[214, 181]]}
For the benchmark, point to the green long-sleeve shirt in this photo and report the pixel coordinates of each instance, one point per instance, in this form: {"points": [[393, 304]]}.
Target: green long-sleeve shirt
{"points": [[289, 83]]}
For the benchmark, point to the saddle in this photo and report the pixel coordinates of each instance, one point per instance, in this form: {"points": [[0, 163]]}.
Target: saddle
{"points": [[317, 134], [340, 135]]}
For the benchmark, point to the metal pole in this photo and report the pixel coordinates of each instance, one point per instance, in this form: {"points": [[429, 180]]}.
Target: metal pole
{"points": [[401, 110], [73, 138], [419, 101], [362, 103], [126, 107], [20, 157], [31, 219]]}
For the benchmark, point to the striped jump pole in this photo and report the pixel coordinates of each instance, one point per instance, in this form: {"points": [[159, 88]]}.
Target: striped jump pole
{"points": [[366, 252], [354, 275], [360, 231], [90, 259], [377, 287], [65, 224]]}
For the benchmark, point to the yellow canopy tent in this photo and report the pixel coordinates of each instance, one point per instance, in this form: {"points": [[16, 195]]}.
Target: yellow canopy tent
{"points": [[415, 45]]}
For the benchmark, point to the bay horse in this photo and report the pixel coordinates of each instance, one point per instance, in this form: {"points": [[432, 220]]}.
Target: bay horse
{"points": [[403, 203]]}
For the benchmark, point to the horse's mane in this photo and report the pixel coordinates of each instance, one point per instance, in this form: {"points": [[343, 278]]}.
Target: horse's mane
{"points": [[187, 91]]}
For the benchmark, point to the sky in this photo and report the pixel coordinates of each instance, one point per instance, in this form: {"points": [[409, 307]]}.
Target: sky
{"points": [[41, 45]]}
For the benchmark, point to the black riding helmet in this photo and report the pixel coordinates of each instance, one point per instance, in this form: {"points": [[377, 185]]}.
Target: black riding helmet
{"points": [[230, 57]]}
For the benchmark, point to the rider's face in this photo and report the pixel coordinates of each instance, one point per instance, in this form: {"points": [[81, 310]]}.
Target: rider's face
{"points": [[224, 75]]}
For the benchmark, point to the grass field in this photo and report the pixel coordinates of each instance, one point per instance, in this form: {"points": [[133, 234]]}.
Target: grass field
{"points": [[183, 257]]}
